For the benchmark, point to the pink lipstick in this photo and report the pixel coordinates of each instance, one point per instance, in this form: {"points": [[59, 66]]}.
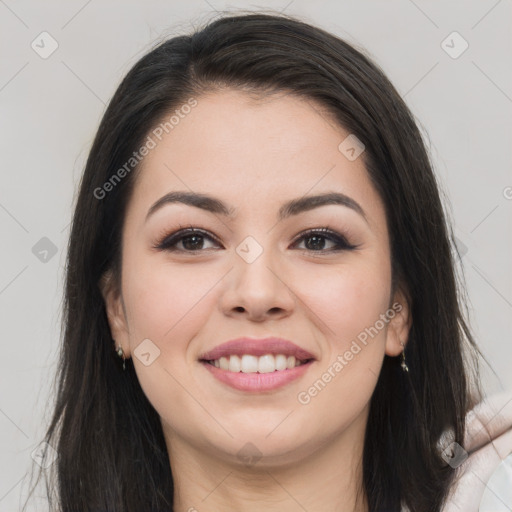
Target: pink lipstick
{"points": [[251, 364]]}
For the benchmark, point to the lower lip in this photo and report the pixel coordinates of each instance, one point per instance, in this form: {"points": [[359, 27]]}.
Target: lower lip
{"points": [[257, 381]]}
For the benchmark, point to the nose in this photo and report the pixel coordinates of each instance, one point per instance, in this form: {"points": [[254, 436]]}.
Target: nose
{"points": [[258, 291]]}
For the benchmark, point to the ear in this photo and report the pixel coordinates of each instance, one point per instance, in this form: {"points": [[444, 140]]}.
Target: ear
{"points": [[400, 325], [116, 313]]}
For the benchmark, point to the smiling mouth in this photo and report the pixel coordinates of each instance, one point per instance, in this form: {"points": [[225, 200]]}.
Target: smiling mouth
{"points": [[248, 363]]}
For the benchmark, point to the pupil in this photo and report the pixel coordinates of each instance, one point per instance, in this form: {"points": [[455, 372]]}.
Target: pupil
{"points": [[319, 243], [193, 246]]}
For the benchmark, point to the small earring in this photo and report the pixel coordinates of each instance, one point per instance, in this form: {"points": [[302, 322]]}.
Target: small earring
{"points": [[403, 365], [120, 353]]}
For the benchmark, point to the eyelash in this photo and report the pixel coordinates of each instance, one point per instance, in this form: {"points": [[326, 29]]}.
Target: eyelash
{"points": [[169, 241]]}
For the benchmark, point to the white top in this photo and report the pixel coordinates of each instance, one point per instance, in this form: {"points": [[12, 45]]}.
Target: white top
{"points": [[484, 479], [498, 492]]}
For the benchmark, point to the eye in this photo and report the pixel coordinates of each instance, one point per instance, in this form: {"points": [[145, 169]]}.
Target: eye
{"points": [[318, 238], [192, 240]]}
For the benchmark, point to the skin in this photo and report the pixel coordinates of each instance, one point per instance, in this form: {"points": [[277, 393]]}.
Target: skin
{"points": [[255, 154]]}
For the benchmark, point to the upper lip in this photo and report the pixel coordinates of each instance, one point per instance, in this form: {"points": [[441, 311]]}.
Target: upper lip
{"points": [[257, 347]]}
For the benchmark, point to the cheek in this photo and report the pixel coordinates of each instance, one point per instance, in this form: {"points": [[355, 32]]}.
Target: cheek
{"points": [[350, 305], [346, 299], [164, 301], [167, 304]]}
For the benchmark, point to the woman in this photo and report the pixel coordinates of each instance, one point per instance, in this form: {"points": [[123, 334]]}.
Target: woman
{"points": [[261, 305]]}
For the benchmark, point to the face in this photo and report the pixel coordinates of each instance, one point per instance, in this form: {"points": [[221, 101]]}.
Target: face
{"points": [[258, 274]]}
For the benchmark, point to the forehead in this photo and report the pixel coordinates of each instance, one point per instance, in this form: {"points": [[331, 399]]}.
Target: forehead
{"points": [[249, 150]]}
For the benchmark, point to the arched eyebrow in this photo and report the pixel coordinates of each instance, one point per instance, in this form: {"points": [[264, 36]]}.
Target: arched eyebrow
{"points": [[306, 203], [292, 207]]}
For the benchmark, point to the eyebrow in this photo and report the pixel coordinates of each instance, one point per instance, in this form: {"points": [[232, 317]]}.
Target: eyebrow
{"points": [[293, 207]]}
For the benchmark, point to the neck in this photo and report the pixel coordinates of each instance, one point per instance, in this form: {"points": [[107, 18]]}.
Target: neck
{"points": [[327, 479]]}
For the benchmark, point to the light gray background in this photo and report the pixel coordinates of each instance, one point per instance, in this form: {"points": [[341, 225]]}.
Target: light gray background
{"points": [[51, 108]]}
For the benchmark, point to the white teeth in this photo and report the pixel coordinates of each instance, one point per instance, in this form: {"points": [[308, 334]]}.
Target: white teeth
{"points": [[249, 364], [234, 364], [280, 362], [266, 364], [246, 363]]}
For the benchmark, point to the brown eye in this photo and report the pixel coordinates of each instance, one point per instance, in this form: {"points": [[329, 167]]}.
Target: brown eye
{"points": [[191, 240], [316, 241]]}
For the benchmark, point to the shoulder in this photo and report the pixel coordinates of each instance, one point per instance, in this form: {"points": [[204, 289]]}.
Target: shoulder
{"points": [[483, 465]]}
